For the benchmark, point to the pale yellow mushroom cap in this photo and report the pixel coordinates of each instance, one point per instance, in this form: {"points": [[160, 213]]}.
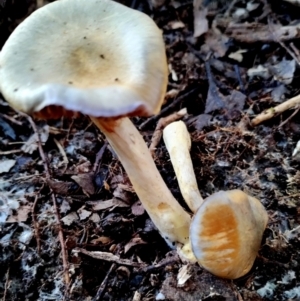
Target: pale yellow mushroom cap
{"points": [[226, 233], [96, 57]]}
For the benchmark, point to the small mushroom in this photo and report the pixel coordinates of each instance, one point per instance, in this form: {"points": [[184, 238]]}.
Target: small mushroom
{"points": [[99, 58], [227, 227], [178, 143], [226, 233]]}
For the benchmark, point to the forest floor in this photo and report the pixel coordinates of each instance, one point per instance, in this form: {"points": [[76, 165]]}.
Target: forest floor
{"points": [[228, 61]]}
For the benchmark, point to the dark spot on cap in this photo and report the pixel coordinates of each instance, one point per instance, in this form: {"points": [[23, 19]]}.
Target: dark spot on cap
{"points": [[15, 90], [102, 56], [70, 83], [84, 38], [116, 79], [31, 69]]}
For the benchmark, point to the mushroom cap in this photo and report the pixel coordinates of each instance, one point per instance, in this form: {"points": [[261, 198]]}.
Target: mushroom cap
{"points": [[226, 233], [96, 57]]}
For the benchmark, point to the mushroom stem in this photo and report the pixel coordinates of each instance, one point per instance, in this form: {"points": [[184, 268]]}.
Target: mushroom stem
{"points": [[169, 217], [178, 142]]}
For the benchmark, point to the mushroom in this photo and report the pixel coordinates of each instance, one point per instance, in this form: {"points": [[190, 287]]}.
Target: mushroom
{"points": [[178, 143], [227, 228], [99, 58], [226, 233]]}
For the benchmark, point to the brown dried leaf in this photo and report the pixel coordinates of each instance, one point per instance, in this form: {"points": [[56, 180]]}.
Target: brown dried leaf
{"points": [[215, 41], [86, 182], [133, 242], [102, 205], [83, 167], [103, 240], [21, 216], [59, 187], [124, 193]]}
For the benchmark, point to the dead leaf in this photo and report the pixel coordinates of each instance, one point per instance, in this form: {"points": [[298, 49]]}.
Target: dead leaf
{"points": [[102, 205], [124, 193], [70, 218], [260, 71], [60, 187], [133, 242], [184, 274], [21, 215], [95, 218], [200, 21], [237, 55], [6, 165], [103, 240], [83, 167], [137, 209], [284, 71], [83, 214], [216, 42], [176, 25], [86, 182], [64, 207], [31, 144]]}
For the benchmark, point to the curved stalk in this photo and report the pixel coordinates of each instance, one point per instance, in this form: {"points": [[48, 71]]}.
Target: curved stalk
{"points": [[169, 217], [178, 142]]}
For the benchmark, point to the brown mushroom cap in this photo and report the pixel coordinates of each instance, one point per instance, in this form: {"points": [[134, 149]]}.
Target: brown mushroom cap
{"points": [[226, 233], [96, 57]]}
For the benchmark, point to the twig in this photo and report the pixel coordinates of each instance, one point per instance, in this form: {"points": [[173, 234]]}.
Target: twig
{"points": [[35, 225], [12, 120], [272, 112], [6, 285], [62, 152], [239, 78], [289, 118], [162, 123], [161, 264], [106, 256], [99, 156], [103, 284], [168, 108], [60, 231], [277, 39], [13, 151], [296, 51], [20, 178]]}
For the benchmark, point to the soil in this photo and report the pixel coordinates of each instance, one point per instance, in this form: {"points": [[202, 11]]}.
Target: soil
{"points": [[228, 62]]}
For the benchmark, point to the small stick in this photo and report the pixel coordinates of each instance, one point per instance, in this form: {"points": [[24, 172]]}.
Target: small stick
{"points": [[60, 231], [169, 107], [272, 112], [35, 224], [62, 151], [106, 256], [99, 156], [12, 120], [6, 285], [162, 123], [104, 283], [289, 118]]}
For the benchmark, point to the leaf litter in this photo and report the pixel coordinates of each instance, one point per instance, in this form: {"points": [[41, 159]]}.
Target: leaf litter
{"points": [[229, 61]]}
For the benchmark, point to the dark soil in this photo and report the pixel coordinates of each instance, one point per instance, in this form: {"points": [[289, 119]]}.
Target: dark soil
{"points": [[217, 78]]}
